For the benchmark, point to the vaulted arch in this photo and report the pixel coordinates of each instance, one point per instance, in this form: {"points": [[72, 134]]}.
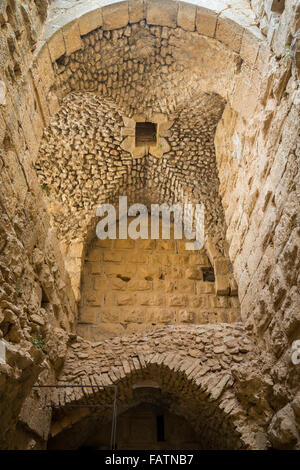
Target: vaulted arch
{"points": [[196, 373]]}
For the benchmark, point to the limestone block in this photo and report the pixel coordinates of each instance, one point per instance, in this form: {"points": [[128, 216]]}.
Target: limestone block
{"points": [[88, 315], [220, 387], [72, 37], [90, 21], [137, 258], [56, 45], [34, 418], [118, 284], [220, 266], [112, 257], [96, 268], [186, 286], [136, 10], [177, 300], [12, 356], [94, 254], [246, 96], [185, 316], [148, 272], [128, 122], [2, 93], [251, 41], [139, 285], [139, 152], [200, 301], [76, 250], [53, 103], [282, 431], [2, 352], [147, 244], [186, 18], [124, 244], [262, 58], [165, 245], [162, 13], [94, 298], [229, 31], [101, 284], [278, 6], [17, 175], [44, 67], [115, 16], [103, 243], [128, 144], [205, 287], [125, 299], [217, 301], [164, 127], [173, 273], [161, 147], [125, 131], [212, 251], [194, 273], [111, 315], [160, 259], [44, 106], [152, 300], [222, 285], [165, 316], [206, 21], [116, 270]]}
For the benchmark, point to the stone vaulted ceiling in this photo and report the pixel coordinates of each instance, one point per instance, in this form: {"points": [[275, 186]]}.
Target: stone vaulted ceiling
{"points": [[137, 70]]}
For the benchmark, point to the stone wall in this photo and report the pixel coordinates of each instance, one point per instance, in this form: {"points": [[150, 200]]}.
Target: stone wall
{"points": [[257, 155], [137, 429], [37, 305], [142, 423], [211, 375], [137, 285]]}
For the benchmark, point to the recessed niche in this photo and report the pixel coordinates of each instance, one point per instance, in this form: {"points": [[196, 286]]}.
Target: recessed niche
{"points": [[145, 134], [208, 275]]}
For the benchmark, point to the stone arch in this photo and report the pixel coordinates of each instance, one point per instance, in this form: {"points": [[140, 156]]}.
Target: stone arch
{"points": [[257, 153], [194, 383]]}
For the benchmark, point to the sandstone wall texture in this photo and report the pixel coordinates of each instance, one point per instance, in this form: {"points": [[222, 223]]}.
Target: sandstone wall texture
{"points": [[243, 58], [137, 285]]}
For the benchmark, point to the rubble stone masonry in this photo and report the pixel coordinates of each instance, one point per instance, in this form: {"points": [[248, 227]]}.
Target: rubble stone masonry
{"points": [[222, 80]]}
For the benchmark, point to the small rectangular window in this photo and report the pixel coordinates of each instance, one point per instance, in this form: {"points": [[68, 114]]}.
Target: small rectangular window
{"points": [[145, 134]]}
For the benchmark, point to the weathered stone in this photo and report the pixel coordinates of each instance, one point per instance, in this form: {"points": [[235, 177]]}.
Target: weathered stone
{"points": [[115, 15]]}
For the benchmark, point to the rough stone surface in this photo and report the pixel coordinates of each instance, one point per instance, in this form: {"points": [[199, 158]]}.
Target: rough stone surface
{"points": [[241, 60]]}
